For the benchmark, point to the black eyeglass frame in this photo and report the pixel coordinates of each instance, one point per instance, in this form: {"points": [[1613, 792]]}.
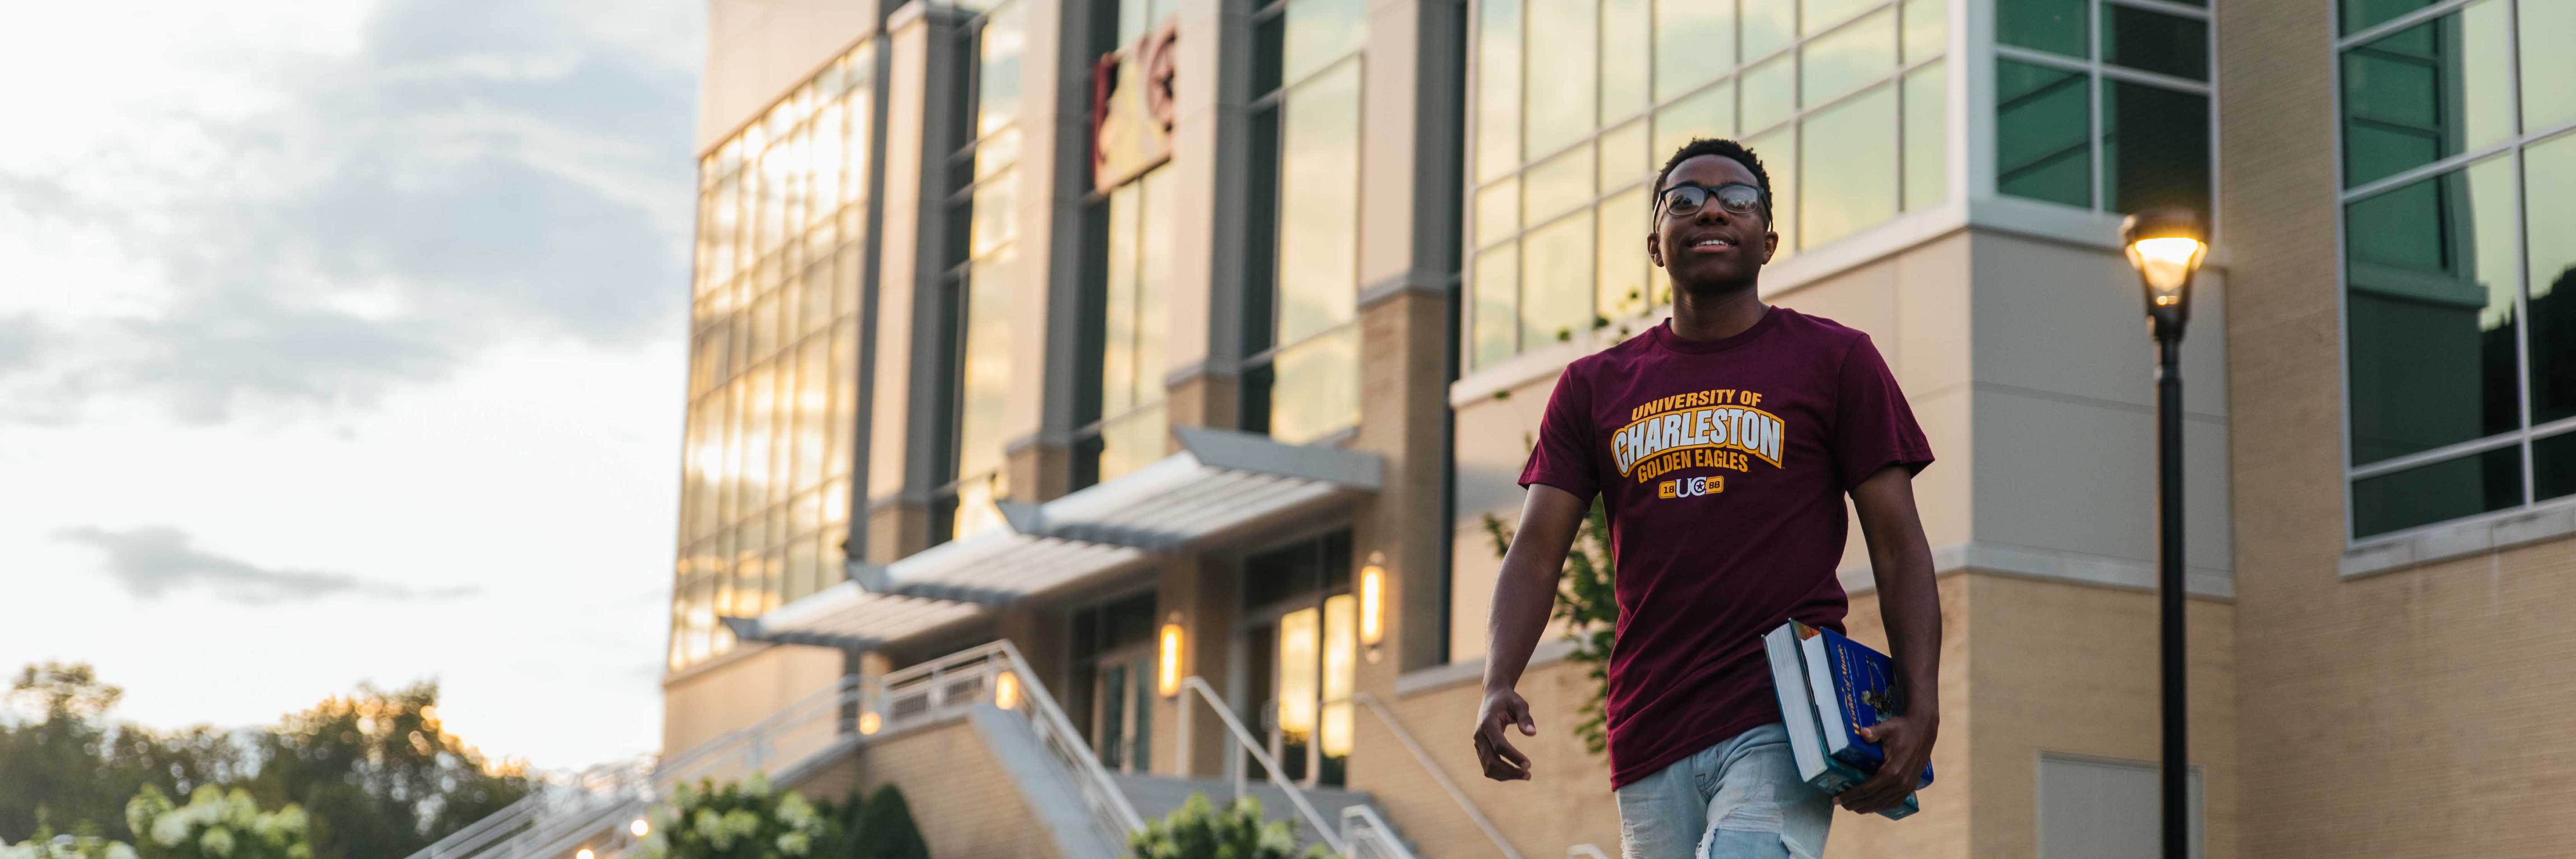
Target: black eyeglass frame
{"points": [[1761, 198]]}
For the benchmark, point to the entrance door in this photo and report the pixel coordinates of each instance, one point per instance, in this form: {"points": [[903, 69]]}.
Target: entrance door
{"points": [[1301, 649], [1113, 680]]}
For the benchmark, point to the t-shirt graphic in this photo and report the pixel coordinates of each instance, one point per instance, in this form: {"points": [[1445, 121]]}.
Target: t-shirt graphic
{"points": [[1724, 465]]}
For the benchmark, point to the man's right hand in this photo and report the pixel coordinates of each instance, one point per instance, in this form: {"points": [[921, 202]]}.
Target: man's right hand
{"points": [[1502, 710]]}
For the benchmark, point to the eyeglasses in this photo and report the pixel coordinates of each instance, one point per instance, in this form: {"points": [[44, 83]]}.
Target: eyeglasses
{"points": [[1687, 199]]}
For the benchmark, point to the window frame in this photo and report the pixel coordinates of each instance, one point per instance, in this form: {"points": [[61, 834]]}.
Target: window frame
{"points": [[1791, 54], [2098, 75], [958, 261], [2514, 147], [1264, 227]]}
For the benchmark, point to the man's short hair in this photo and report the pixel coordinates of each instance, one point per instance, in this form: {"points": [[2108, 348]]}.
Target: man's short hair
{"points": [[1721, 148]]}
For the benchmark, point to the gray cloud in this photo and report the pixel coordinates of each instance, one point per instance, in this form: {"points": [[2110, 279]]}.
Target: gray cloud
{"points": [[478, 172], [21, 338], [152, 561]]}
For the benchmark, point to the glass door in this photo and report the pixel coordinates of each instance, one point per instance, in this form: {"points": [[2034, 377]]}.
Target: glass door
{"points": [[1301, 649], [1113, 681]]}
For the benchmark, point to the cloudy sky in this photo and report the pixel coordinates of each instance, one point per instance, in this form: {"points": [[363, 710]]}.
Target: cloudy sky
{"points": [[342, 341]]}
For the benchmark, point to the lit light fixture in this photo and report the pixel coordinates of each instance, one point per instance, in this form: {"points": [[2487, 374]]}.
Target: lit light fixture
{"points": [[1006, 691], [2166, 246], [869, 722], [583, 854], [1373, 602], [1167, 662], [639, 827]]}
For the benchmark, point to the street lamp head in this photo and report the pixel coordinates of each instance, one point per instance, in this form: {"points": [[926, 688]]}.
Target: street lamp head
{"points": [[2166, 246]]}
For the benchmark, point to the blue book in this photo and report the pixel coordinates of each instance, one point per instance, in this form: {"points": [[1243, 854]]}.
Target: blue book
{"points": [[1791, 680], [1854, 689]]}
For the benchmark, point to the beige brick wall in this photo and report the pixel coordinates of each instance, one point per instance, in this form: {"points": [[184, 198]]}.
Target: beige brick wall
{"points": [[2416, 713], [960, 796], [751, 684], [1566, 802]]}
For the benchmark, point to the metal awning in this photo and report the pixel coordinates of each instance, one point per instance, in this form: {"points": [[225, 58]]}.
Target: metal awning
{"points": [[845, 615], [1220, 484]]}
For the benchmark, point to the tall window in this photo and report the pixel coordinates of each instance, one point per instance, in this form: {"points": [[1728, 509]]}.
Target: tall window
{"points": [[2103, 105], [773, 369], [2458, 168], [1118, 404], [975, 294], [1578, 102], [1301, 334]]}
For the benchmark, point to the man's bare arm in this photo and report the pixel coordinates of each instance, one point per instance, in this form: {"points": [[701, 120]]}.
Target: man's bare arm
{"points": [[1523, 593], [1909, 602]]}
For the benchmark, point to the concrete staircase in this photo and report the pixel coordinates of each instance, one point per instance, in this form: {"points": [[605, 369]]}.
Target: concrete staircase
{"points": [[1157, 796]]}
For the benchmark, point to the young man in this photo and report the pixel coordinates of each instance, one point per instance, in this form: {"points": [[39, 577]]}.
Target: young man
{"points": [[1722, 443]]}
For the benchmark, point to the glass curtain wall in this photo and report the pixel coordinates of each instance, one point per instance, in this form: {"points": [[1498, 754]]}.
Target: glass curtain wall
{"points": [[773, 367], [1577, 103], [2103, 104], [975, 294], [1119, 403], [2458, 172], [1301, 332]]}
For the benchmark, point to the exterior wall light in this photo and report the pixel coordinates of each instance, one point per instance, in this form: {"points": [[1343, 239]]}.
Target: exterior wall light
{"points": [[1373, 603], [1006, 691], [640, 828], [870, 723], [1167, 658]]}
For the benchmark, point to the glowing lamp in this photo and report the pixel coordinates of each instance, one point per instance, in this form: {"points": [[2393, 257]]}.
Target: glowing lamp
{"points": [[1006, 691], [639, 827], [2166, 246], [869, 723], [1373, 601], [1167, 658]]}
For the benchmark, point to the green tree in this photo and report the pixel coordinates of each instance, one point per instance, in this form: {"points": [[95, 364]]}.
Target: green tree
{"points": [[1588, 606], [50, 769], [883, 827]]}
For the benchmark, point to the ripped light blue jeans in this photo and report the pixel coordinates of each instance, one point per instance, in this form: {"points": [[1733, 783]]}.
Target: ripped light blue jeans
{"points": [[1739, 799]]}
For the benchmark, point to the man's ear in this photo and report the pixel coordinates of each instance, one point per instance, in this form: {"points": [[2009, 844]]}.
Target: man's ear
{"points": [[1770, 245], [1655, 249]]}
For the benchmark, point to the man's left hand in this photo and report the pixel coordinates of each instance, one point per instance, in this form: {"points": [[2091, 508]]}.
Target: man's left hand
{"points": [[1907, 740]]}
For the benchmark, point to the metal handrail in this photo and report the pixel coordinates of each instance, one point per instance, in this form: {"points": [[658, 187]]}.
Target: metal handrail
{"points": [[1193, 683], [1423, 757], [1585, 851], [1109, 804], [1362, 827]]}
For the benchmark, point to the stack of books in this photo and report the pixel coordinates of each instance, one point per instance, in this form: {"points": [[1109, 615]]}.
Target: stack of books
{"points": [[1831, 687]]}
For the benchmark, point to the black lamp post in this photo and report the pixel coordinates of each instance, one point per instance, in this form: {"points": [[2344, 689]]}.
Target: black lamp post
{"points": [[2166, 247]]}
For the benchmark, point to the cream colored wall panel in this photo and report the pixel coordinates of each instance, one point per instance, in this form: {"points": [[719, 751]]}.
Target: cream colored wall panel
{"points": [[1494, 436], [702, 705], [1863, 298], [2074, 476], [2072, 321], [1934, 298], [758, 50], [1391, 65]]}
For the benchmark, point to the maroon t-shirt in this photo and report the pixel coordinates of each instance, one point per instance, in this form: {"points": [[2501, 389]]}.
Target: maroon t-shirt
{"points": [[1723, 465]]}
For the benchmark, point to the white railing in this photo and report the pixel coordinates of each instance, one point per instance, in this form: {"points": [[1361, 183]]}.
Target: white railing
{"points": [[1585, 851], [1194, 685], [1366, 836], [1423, 757], [594, 808]]}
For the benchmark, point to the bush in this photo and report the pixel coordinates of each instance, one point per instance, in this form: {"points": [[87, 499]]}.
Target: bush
{"points": [[745, 820], [215, 825], [47, 846], [1197, 830], [882, 827]]}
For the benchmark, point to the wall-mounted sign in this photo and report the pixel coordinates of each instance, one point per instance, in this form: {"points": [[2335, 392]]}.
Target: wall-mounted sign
{"points": [[1131, 108]]}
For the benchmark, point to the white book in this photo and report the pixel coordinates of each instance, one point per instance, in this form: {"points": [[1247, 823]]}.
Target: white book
{"points": [[1797, 712], [1828, 706]]}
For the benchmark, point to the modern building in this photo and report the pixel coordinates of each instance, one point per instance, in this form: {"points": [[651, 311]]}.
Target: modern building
{"points": [[1077, 382]]}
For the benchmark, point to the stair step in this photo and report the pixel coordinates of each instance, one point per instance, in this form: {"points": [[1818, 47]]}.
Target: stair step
{"points": [[1155, 797]]}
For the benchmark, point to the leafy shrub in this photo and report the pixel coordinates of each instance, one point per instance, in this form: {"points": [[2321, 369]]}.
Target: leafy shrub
{"points": [[1197, 830], [882, 827], [216, 825], [745, 820]]}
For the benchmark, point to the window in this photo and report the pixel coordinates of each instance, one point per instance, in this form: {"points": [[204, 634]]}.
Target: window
{"points": [[1301, 335], [773, 358], [2102, 104], [2100, 809], [1578, 102], [2459, 332], [975, 295], [1118, 399]]}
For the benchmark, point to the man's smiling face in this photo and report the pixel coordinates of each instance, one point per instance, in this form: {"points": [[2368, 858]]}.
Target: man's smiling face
{"points": [[1712, 245]]}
